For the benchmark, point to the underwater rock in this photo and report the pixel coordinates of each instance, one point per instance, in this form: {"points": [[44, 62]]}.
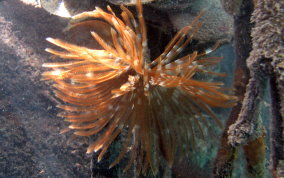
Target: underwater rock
{"points": [[31, 145], [232, 7], [128, 2], [217, 25], [68, 8]]}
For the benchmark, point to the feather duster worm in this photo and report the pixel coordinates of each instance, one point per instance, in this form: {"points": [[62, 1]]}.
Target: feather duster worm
{"points": [[118, 88]]}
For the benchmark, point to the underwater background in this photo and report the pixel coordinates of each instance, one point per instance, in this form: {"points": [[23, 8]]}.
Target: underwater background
{"points": [[30, 141]]}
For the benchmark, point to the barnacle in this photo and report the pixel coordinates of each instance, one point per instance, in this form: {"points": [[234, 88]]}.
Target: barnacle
{"points": [[119, 88]]}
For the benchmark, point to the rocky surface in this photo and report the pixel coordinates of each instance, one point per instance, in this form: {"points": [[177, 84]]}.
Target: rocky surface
{"points": [[31, 145], [172, 16]]}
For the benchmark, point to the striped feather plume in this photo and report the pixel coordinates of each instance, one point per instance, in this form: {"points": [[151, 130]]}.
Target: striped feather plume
{"points": [[120, 89]]}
